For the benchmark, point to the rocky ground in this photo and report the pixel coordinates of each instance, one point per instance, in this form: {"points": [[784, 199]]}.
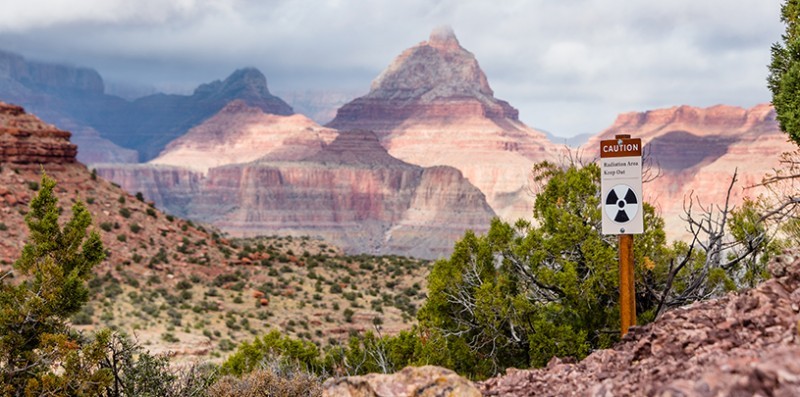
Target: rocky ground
{"points": [[744, 344]]}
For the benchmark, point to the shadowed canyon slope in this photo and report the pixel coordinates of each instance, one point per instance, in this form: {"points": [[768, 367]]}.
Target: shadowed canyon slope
{"points": [[50, 91], [433, 106], [310, 180], [696, 151]]}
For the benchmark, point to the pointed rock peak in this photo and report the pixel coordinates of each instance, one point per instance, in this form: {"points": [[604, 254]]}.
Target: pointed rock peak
{"points": [[248, 77], [355, 147], [443, 37]]}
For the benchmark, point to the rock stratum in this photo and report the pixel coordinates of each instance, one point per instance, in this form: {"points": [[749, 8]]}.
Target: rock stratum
{"points": [[696, 151], [743, 344], [241, 133], [308, 180], [24, 139], [433, 106]]}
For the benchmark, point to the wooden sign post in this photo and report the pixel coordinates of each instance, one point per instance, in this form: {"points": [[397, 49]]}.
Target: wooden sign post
{"points": [[621, 186]]}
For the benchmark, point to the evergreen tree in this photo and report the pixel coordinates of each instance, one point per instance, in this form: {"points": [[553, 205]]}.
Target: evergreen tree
{"points": [[524, 293], [784, 76], [49, 286]]}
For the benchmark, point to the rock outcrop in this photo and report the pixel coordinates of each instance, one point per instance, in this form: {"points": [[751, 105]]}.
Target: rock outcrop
{"points": [[25, 139], [427, 381], [433, 106], [350, 192], [696, 151], [742, 344], [241, 133]]}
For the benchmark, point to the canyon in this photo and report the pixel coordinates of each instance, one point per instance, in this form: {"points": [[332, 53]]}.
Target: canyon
{"points": [[350, 192], [235, 155]]}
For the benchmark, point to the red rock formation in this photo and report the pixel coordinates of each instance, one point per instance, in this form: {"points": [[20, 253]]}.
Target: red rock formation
{"points": [[240, 133], [170, 188], [433, 106], [24, 139], [351, 192], [697, 150]]}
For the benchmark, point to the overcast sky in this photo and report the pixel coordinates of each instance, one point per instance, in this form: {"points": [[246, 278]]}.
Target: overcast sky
{"points": [[569, 66]]}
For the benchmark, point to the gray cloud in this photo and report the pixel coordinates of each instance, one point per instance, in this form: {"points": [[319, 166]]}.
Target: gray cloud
{"points": [[570, 66]]}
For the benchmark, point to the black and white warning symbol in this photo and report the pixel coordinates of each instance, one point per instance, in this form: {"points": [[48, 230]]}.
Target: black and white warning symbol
{"points": [[621, 185], [621, 203]]}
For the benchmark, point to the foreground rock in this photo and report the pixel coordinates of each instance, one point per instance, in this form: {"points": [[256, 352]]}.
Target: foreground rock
{"points": [[427, 381], [742, 344]]}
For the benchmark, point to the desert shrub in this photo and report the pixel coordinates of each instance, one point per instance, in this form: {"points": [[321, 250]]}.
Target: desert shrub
{"points": [[275, 379], [184, 285]]}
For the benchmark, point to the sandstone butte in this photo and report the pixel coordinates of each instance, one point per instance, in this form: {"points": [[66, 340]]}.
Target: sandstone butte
{"points": [[433, 106], [743, 344], [252, 173], [696, 150]]}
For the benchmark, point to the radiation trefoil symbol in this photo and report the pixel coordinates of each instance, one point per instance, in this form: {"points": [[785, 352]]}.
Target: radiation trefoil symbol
{"points": [[621, 203]]}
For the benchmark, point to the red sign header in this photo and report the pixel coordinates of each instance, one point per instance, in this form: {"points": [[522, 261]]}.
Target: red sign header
{"points": [[622, 147]]}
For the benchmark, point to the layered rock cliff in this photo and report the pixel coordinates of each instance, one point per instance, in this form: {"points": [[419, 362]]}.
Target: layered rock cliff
{"points": [[696, 150], [241, 133], [25, 139], [350, 192], [433, 106]]}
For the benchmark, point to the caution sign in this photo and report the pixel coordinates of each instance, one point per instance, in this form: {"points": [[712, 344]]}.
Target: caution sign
{"points": [[621, 185]]}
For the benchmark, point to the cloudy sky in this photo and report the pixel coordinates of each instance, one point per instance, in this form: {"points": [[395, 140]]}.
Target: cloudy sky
{"points": [[569, 66]]}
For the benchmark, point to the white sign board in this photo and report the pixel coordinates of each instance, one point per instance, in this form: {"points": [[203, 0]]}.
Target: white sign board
{"points": [[621, 186]]}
